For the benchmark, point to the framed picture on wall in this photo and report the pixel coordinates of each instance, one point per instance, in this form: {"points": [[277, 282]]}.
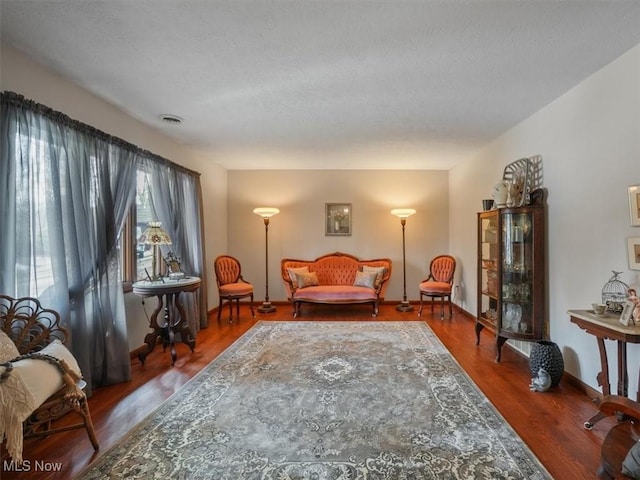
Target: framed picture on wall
{"points": [[634, 205], [633, 249], [337, 219]]}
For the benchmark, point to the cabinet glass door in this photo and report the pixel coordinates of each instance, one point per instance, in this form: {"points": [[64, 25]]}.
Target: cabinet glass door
{"points": [[517, 273], [489, 262]]}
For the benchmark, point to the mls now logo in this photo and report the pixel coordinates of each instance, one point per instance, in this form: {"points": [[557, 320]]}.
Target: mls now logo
{"points": [[29, 466]]}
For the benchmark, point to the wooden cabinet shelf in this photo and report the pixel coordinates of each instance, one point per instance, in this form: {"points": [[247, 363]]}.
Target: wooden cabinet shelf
{"points": [[511, 274]]}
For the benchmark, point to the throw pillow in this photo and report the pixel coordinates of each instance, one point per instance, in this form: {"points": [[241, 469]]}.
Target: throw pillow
{"points": [[631, 463], [309, 279], [8, 349], [292, 274], [58, 350], [380, 271], [365, 279]]}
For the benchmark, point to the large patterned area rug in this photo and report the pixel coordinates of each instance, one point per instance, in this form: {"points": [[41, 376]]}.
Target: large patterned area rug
{"points": [[325, 400]]}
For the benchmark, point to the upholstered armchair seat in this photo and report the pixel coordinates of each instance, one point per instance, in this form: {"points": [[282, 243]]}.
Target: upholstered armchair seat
{"points": [[234, 289], [435, 287], [336, 294]]}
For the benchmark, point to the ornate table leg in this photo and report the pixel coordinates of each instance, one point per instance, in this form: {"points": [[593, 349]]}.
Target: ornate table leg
{"points": [[166, 329], [623, 375], [185, 333], [171, 300], [603, 381], [150, 338], [603, 376]]}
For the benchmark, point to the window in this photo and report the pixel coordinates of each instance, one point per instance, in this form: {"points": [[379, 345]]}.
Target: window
{"points": [[137, 258], [144, 215], [35, 265]]}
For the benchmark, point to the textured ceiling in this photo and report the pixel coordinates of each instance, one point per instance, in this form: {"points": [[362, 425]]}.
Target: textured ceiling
{"points": [[326, 84]]}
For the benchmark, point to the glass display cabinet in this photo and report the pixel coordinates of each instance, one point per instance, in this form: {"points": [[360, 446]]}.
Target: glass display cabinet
{"points": [[511, 274]]}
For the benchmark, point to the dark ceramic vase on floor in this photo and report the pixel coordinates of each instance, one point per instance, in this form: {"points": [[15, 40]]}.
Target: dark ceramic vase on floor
{"points": [[547, 355]]}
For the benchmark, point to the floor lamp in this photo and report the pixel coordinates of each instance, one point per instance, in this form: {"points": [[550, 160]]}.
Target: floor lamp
{"points": [[266, 213], [403, 213]]}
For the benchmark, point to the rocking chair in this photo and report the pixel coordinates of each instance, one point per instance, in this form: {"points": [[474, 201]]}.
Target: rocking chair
{"points": [[37, 347]]}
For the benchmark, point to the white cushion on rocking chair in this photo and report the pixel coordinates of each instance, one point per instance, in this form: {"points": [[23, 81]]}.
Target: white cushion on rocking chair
{"points": [[57, 349], [29, 384], [40, 377]]}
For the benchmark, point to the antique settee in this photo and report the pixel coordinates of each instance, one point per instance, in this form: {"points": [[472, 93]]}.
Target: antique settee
{"points": [[335, 278]]}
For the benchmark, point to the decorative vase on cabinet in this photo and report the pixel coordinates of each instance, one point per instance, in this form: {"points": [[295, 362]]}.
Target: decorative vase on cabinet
{"points": [[511, 273]]}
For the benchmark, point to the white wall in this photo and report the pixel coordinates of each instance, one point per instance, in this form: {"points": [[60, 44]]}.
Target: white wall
{"points": [[589, 140], [298, 231], [20, 74]]}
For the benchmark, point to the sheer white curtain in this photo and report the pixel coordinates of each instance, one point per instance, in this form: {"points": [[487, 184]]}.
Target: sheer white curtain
{"points": [[65, 190]]}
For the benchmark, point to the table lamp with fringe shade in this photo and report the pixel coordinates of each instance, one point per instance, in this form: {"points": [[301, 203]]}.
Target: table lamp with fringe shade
{"points": [[155, 236]]}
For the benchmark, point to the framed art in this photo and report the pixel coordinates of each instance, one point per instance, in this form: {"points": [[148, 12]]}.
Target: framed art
{"points": [[174, 266], [627, 312], [634, 205], [337, 219], [633, 249]]}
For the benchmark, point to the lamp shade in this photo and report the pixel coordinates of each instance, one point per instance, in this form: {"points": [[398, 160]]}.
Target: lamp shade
{"points": [[403, 212], [266, 212], [155, 235]]}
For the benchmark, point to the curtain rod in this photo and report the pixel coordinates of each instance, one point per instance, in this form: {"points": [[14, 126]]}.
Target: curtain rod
{"points": [[17, 100]]}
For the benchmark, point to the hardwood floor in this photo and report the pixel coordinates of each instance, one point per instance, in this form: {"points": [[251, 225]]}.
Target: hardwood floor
{"points": [[551, 423]]}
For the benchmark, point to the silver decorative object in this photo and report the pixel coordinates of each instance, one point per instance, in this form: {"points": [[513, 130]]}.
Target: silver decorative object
{"points": [[518, 176], [541, 382], [174, 267]]}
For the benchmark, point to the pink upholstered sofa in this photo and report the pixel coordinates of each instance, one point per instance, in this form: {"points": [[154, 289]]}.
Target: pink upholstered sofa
{"points": [[335, 278]]}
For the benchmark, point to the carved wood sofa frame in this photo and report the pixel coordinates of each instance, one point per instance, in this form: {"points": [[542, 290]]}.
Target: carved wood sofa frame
{"points": [[31, 328]]}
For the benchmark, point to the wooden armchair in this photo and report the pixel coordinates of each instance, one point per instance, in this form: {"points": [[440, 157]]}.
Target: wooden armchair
{"points": [[622, 436], [33, 375], [439, 282], [231, 285]]}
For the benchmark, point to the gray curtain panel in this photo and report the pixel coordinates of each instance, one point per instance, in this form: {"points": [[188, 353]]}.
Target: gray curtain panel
{"points": [[66, 189], [176, 201]]}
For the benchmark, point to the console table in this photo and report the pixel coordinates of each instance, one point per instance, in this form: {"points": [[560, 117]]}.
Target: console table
{"points": [[607, 327], [168, 293]]}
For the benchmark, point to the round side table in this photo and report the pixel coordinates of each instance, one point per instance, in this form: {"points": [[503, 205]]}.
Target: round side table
{"points": [[168, 292]]}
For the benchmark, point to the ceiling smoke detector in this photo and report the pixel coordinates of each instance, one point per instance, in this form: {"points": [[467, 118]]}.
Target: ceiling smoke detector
{"points": [[172, 119]]}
